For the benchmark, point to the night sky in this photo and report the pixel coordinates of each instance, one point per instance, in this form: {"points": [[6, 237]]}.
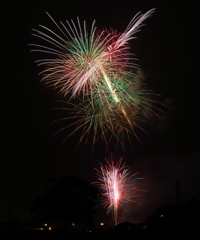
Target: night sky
{"points": [[166, 49]]}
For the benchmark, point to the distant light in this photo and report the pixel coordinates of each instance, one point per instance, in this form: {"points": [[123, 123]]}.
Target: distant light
{"points": [[45, 224], [49, 228], [102, 224], [41, 228], [161, 215], [73, 224]]}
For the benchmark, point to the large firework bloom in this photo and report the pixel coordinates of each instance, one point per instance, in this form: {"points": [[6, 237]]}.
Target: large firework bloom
{"points": [[97, 68]]}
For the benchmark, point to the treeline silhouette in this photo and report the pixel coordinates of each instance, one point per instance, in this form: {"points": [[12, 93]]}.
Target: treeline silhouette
{"points": [[68, 206]]}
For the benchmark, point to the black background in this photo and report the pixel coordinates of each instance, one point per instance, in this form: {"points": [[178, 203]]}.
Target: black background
{"points": [[167, 51]]}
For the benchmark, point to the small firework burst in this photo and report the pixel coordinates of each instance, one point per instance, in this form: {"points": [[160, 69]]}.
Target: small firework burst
{"points": [[118, 186]]}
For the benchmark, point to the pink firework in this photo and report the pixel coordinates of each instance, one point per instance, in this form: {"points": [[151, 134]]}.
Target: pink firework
{"points": [[117, 185]]}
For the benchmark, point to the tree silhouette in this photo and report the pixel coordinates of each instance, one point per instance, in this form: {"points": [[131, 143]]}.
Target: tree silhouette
{"points": [[67, 200], [180, 221]]}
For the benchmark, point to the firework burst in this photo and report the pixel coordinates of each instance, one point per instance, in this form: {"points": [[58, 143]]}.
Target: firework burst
{"points": [[96, 67], [117, 185]]}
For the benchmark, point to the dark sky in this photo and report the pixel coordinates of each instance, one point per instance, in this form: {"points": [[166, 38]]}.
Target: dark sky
{"points": [[167, 51]]}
